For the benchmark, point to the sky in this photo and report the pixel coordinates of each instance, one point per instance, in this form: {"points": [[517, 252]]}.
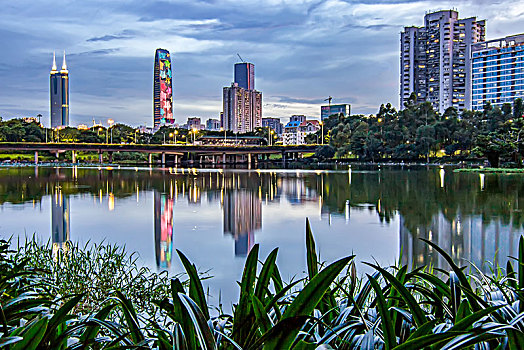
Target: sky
{"points": [[303, 51]]}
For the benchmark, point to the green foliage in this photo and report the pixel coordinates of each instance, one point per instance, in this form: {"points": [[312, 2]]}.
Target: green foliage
{"points": [[392, 309]]}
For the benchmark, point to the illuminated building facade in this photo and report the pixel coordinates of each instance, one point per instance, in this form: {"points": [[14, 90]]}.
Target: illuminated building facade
{"points": [[59, 94], [163, 229], [326, 111], [242, 104], [498, 71], [435, 60], [162, 89]]}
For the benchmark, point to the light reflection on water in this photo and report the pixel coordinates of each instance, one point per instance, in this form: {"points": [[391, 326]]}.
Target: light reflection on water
{"points": [[216, 216]]}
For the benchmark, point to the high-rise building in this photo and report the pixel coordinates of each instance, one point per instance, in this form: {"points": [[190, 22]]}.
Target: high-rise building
{"points": [[162, 89], [59, 94], [242, 109], [274, 124], [245, 75], [498, 71], [326, 111], [435, 60]]}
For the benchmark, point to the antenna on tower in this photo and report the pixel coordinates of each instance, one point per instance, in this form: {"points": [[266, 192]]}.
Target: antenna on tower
{"points": [[241, 58]]}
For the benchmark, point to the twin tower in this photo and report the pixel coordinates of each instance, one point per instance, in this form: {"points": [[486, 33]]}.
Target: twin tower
{"points": [[59, 94]]}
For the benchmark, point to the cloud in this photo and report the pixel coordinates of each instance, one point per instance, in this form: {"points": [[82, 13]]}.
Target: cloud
{"points": [[107, 38], [304, 50]]}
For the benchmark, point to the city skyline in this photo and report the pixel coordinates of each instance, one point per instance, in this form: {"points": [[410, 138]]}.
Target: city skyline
{"points": [[285, 43]]}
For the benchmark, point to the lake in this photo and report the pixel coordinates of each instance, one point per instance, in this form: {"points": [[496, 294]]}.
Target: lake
{"points": [[215, 216]]}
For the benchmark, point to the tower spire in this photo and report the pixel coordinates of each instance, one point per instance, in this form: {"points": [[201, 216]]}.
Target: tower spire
{"points": [[53, 68], [64, 65]]}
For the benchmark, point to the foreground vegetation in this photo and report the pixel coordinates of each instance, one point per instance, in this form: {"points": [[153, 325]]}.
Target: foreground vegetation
{"points": [[393, 308]]}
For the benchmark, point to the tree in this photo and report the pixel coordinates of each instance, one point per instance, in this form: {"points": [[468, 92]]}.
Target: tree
{"points": [[325, 152]]}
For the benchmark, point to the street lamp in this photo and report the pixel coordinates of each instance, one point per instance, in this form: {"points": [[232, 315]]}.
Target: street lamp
{"points": [[171, 134], [271, 137], [176, 133], [194, 134], [110, 122], [225, 136], [322, 125], [136, 130]]}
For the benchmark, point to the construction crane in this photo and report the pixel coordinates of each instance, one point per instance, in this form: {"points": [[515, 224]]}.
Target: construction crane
{"points": [[241, 58], [329, 100]]}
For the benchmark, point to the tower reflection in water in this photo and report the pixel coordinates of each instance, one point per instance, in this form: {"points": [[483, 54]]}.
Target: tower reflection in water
{"points": [[163, 229], [469, 239], [242, 217], [60, 223]]}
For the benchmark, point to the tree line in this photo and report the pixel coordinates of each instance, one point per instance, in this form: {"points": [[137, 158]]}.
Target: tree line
{"points": [[420, 132]]}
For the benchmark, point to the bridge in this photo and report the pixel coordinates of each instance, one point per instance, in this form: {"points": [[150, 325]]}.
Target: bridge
{"points": [[193, 153]]}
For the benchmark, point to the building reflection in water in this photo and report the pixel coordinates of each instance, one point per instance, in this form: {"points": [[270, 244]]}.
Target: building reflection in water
{"points": [[60, 220], [242, 217], [163, 212], [465, 239]]}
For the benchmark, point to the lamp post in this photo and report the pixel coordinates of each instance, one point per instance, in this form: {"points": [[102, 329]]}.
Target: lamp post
{"points": [[194, 135], [322, 125], [136, 130], [110, 122], [271, 137], [176, 133], [171, 135]]}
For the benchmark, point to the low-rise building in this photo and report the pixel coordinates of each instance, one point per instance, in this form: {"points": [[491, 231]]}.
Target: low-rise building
{"points": [[231, 141], [274, 124], [213, 124], [194, 123], [295, 132]]}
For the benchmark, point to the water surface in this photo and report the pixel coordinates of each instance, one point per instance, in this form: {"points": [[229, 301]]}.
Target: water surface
{"points": [[216, 216]]}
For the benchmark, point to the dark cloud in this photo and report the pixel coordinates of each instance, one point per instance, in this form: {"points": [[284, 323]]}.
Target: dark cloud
{"points": [[107, 38]]}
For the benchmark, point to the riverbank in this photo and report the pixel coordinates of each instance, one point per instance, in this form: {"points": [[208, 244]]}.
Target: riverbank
{"points": [[491, 170]]}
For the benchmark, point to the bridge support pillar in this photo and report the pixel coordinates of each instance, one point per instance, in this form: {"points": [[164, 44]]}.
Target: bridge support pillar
{"points": [[284, 157], [57, 155], [176, 159], [110, 157], [150, 160], [163, 158], [73, 157], [36, 157], [223, 158], [100, 158]]}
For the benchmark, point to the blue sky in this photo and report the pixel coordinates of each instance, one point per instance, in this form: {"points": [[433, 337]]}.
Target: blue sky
{"points": [[303, 51]]}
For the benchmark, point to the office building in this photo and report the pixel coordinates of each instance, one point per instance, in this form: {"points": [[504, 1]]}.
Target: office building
{"points": [[297, 118], [326, 111], [245, 75], [242, 109], [213, 124], [274, 124], [435, 60], [162, 89], [498, 71], [242, 104], [59, 94]]}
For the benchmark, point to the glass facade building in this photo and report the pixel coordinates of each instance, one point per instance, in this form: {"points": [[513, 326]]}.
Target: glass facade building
{"points": [[245, 75], [326, 111], [498, 71], [162, 89]]}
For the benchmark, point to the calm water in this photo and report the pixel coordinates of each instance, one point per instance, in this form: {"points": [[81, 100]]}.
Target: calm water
{"points": [[216, 216]]}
